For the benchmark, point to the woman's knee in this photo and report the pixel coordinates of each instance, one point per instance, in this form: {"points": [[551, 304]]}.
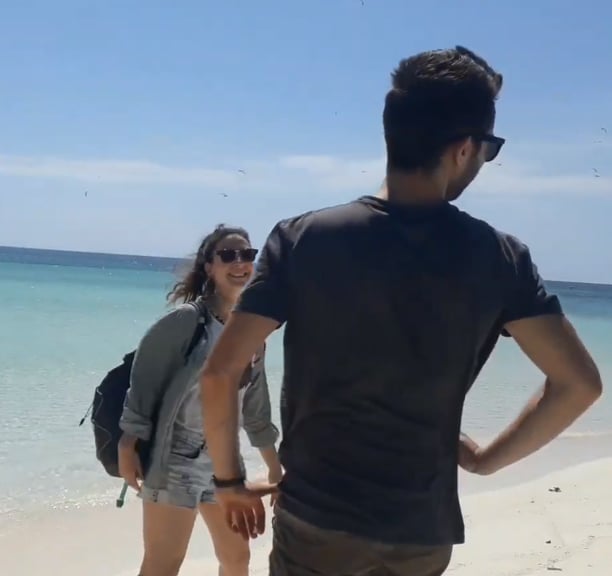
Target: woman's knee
{"points": [[233, 558], [161, 564]]}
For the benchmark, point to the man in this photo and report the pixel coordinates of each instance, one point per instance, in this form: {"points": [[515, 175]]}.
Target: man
{"points": [[391, 306]]}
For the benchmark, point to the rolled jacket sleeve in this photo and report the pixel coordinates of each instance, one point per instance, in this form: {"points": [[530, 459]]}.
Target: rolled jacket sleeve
{"points": [[257, 412], [157, 358]]}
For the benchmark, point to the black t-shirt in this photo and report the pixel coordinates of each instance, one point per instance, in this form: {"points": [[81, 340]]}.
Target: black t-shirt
{"points": [[390, 311]]}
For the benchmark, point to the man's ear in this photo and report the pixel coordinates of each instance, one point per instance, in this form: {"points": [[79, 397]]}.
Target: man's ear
{"points": [[461, 152]]}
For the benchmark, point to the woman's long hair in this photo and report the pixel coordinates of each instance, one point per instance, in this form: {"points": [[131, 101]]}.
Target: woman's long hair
{"points": [[195, 282]]}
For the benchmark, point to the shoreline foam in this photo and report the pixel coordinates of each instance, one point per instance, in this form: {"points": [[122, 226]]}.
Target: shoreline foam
{"points": [[568, 450]]}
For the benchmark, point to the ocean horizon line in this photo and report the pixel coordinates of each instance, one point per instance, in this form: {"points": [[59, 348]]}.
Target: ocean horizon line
{"points": [[167, 260], [91, 253]]}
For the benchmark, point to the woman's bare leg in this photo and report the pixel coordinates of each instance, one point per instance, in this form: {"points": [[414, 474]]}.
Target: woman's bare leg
{"points": [[166, 531], [231, 550]]}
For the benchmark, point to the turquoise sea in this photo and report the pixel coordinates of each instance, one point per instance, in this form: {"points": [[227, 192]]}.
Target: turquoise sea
{"points": [[66, 318]]}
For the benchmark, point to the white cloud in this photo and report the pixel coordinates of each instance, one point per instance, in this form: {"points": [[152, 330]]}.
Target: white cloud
{"points": [[514, 176], [510, 176], [322, 173], [338, 173], [114, 171]]}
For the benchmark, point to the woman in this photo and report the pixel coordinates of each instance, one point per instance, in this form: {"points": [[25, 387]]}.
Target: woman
{"points": [[163, 406]]}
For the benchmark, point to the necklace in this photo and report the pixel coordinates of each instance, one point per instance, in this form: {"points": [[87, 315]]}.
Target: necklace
{"points": [[214, 314]]}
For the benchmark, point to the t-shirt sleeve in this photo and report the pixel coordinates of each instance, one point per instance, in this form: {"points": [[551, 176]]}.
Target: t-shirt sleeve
{"points": [[527, 296], [268, 292]]}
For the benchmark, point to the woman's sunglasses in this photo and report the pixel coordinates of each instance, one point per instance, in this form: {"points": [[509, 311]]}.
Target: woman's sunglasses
{"points": [[227, 256]]}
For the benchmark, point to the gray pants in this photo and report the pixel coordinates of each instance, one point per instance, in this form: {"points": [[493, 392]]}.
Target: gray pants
{"points": [[300, 549]]}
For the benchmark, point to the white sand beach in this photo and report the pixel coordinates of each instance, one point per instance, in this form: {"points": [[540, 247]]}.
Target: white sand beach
{"points": [[560, 522]]}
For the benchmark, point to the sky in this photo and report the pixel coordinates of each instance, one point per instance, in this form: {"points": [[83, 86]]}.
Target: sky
{"points": [[135, 127]]}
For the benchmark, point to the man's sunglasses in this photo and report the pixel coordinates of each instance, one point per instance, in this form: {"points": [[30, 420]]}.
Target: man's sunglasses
{"points": [[227, 256], [493, 145]]}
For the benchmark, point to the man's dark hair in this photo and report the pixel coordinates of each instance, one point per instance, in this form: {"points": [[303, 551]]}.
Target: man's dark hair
{"points": [[436, 98]]}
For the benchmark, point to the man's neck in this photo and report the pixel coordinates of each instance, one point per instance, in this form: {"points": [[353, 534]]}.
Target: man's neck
{"points": [[415, 188]]}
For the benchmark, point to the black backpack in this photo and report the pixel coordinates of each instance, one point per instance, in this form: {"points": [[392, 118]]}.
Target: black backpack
{"points": [[107, 407]]}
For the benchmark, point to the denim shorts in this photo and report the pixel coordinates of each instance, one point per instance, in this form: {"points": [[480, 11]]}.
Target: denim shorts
{"points": [[189, 476]]}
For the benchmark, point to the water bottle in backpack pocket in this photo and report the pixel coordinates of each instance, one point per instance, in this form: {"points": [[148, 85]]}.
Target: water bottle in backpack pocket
{"points": [[107, 409]]}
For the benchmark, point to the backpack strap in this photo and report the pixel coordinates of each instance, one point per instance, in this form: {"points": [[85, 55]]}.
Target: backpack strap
{"points": [[203, 320]]}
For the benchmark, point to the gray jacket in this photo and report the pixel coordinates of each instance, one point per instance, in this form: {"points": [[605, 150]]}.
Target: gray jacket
{"points": [[162, 382]]}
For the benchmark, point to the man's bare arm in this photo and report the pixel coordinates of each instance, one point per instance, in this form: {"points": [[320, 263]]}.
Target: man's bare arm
{"points": [[572, 385], [241, 338]]}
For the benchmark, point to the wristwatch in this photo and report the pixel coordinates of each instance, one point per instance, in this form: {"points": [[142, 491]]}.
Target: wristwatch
{"points": [[228, 482]]}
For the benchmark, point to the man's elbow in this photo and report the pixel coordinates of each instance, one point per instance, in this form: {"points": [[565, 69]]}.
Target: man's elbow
{"points": [[586, 386], [210, 378], [593, 386], [216, 378]]}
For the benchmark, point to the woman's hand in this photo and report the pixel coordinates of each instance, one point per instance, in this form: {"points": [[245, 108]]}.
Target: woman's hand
{"points": [[275, 470], [275, 475], [130, 466]]}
